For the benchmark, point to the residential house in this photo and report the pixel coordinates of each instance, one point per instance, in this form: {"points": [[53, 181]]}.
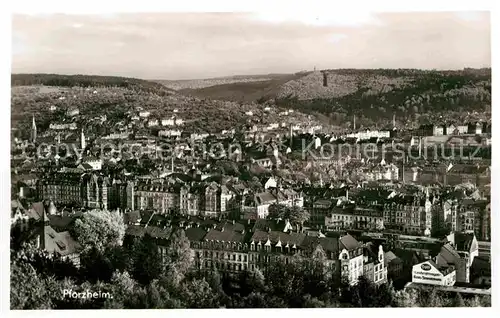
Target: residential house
{"points": [[374, 266]]}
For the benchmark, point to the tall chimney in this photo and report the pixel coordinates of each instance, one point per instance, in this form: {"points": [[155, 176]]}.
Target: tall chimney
{"points": [[354, 122], [291, 137]]}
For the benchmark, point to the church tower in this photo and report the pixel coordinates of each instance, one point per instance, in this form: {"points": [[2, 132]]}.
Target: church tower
{"points": [[33, 130], [82, 140]]}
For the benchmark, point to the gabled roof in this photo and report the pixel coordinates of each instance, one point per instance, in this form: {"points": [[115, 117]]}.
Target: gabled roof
{"points": [[36, 211], [264, 198], [195, 234], [224, 235], [349, 243], [448, 254], [61, 243], [390, 257]]}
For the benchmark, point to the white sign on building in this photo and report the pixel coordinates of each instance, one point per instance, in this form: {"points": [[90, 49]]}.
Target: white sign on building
{"points": [[428, 273]]}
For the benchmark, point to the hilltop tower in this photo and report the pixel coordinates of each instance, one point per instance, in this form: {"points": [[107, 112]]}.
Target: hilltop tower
{"points": [[33, 130]]}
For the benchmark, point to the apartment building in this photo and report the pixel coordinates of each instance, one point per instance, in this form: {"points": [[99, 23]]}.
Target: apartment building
{"points": [[73, 187], [355, 217], [232, 247]]}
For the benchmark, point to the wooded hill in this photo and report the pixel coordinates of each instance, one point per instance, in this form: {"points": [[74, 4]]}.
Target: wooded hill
{"points": [[373, 95], [87, 81]]}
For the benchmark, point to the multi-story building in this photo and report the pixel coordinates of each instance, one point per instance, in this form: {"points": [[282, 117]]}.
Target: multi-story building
{"points": [[75, 188], [222, 247], [216, 200], [468, 173], [355, 217], [374, 266], [162, 198], [409, 213], [319, 210], [190, 200], [233, 247], [351, 259], [474, 216]]}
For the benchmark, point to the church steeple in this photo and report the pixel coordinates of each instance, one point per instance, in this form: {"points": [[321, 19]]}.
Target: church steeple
{"points": [[33, 130], [82, 140]]}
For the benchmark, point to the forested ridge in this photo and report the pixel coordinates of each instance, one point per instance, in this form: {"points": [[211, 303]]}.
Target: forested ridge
{"points": [[374, 96], [87, 81]]}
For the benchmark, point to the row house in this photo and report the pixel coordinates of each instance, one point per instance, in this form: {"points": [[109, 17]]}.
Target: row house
{"points": [[210, 200], [222, 247], [190, 200], [318, 211], [452, 129], [467, 215], [233, 247], [410, 214], [172, 121], [381, 172], [355, 218]]}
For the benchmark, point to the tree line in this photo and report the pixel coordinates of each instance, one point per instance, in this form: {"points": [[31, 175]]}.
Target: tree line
{"points": [[132, 271]]}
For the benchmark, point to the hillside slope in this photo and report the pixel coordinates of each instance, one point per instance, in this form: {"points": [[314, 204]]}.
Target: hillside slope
{"points": [[374, 96], [244, 90], [202, 83], [119, 99]]}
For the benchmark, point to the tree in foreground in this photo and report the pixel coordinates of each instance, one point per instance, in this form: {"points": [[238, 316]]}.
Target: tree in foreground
{"points": [[178, 258], [27, 289], [147, 261], [100, 229]]}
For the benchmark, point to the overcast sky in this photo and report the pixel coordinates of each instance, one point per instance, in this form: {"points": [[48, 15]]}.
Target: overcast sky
{"points": [[202, 45]]}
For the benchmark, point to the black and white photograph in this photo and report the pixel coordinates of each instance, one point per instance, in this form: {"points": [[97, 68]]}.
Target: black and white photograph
{"points": [[250, 159]]}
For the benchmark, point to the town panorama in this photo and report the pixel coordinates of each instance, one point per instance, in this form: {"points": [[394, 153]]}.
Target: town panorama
{"points": [[331, 187]]}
